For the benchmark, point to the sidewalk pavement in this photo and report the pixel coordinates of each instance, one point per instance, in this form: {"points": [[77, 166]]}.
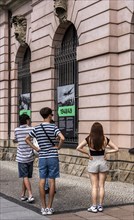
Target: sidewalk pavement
{"points": [[10, 210], [72, 198]]}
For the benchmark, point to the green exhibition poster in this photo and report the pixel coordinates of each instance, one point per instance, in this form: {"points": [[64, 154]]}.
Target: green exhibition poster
{"points": [[66, 101]]}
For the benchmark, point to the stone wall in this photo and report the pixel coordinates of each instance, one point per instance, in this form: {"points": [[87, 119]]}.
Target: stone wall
{"points": [[121, 164]]}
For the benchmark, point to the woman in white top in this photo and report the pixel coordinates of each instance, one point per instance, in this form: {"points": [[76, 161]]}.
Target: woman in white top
{"points": [[98, 166]]}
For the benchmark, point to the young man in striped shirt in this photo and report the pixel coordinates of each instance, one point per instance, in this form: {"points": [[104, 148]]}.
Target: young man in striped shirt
{"points": [[24, 156], [46, 134]]}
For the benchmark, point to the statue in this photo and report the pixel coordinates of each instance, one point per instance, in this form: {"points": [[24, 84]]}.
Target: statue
{"points": [[20, 25], [60, 9]]}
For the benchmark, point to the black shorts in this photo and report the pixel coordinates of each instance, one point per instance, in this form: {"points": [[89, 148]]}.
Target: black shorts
{"points": [[25, 169]]}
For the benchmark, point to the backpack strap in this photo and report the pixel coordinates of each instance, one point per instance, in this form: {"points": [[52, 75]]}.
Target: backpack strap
{"points": [[47, 135]]}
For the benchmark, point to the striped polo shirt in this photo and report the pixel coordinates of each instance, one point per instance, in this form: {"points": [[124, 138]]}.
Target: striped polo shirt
{"points": [[47, 150], [24, 151]]}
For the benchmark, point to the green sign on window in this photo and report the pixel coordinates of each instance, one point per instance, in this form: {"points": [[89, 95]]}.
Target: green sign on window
{"points": [[65, 111], [66, 101]]}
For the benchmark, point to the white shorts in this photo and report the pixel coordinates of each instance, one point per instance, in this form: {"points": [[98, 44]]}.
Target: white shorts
{"points": [[98, 165]]}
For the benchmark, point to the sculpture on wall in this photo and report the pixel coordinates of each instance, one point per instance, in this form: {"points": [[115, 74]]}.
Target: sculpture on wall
{"points": [[60, 9], [20, 25]]}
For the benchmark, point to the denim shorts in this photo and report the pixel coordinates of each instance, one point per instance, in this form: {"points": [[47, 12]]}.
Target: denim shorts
{"points": [[49, 168], [98, 165], [25, 169]]}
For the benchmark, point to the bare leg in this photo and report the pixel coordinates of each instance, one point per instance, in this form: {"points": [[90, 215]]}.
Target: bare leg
{"points": [[42, 192], [51, 192], [95, 183], [102, 178], [23, 189], [28, 186]]}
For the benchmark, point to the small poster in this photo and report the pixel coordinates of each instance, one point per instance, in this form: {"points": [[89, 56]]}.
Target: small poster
{"points": [[24, 104], [66, 100]]}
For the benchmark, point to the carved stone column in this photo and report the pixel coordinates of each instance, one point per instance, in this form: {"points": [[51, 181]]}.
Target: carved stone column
{"points": [[20, 25], [60, 9]]}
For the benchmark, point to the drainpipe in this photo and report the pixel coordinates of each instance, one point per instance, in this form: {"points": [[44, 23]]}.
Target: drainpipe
{"points": [[9, 77]]}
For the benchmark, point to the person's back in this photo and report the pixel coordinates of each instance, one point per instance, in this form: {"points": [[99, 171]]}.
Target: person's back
{"points": [[47, 150], [24, 156], [24, 152]]}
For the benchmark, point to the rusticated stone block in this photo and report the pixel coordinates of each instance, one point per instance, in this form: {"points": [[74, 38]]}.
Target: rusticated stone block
{"points": [[126, 166], [114, 165], [84, 162], [67, 159], [85, 173], [125, 156], [65, 167], [78, 170], [113, 156], [79, 160], [73, 160], [70, 168], [126, 176], [112, 175], [62, 157]]}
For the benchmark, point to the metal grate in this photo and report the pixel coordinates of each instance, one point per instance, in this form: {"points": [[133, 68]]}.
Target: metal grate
{"points": [[66, 75], [24, 84], [24, 77]]}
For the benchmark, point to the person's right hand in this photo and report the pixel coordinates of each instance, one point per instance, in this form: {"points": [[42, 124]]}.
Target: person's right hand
{"points": [[90, 157]]}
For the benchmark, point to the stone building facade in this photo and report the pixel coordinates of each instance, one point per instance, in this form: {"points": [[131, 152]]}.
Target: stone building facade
{"points": [[49, 49]]}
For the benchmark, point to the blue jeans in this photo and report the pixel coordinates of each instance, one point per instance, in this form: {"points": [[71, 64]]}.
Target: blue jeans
{"points": [[49, 168]]}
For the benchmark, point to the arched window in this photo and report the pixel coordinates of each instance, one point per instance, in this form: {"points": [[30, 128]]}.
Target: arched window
{"points": [[67, 86], [24, 83]]}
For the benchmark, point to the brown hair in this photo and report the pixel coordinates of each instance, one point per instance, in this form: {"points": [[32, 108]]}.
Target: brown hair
{"points": [[96, 136], [45, 112]]}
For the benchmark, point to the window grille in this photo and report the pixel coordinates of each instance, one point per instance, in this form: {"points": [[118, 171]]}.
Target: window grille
{"points": [[24, 82], [67, 75]]}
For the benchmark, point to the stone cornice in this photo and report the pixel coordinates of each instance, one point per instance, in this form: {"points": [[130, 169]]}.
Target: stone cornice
{"points": [[11, 4]]}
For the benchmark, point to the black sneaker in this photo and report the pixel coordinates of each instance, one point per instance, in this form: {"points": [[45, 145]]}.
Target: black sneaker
{"points": [[47, 191]]}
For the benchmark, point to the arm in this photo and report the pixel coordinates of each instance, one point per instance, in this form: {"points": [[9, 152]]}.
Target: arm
{"points": [[29, 142], [15, 138], [113, 147], [15, 141], [81, 146], [61, 139]]}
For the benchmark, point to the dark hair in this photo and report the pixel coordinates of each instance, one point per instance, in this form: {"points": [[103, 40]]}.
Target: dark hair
{"points": [[45, 112], [23, 119], [96, 136], [52, 121]]}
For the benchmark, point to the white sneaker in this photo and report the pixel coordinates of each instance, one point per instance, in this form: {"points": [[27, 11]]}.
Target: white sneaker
{"points": [[30, 199], [50, 211], [24, 198], [100, 208], [44, 211], [92, 209]]}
